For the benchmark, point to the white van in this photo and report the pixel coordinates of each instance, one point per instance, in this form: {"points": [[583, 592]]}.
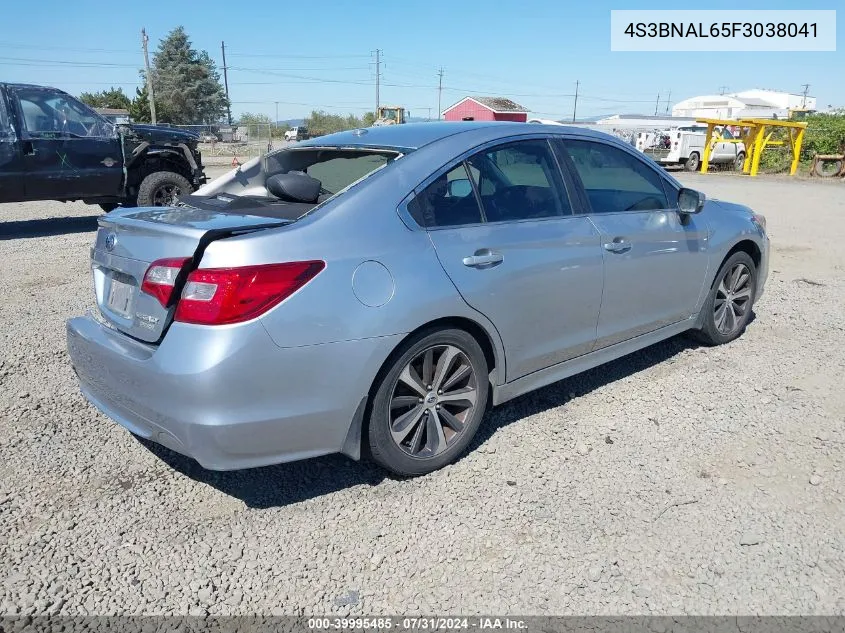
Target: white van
{"points": [[685, 146]]}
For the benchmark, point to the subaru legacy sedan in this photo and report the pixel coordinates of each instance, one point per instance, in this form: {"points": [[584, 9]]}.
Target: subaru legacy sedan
{"points": [[374, 292]]}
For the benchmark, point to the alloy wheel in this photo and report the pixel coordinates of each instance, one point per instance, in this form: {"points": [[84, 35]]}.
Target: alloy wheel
{"points": [[433, 400], [733, 299], [166, 195]]}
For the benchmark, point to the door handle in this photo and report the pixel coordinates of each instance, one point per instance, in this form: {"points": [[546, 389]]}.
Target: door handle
{"points": [[29, 148], [483, 258], [618, 245]]}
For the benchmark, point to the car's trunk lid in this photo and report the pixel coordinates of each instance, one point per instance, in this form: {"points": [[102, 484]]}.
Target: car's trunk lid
{"points": [[129, 241]]}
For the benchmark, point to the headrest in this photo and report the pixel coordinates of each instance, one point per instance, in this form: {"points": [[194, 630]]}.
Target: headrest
{"points": [[294, 185]]}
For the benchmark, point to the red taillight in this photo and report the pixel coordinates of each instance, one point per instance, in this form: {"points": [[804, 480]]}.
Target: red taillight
{"points": [[160, 278], [215, 296]]}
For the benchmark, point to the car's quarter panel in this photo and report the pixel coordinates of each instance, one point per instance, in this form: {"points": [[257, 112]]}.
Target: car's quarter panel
{"points": [[226, 396], [543, 298], [129, 240], [659, 280]]}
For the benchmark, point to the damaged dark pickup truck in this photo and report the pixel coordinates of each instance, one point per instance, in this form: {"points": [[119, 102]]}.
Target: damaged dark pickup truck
{"points": [[54, 147]]}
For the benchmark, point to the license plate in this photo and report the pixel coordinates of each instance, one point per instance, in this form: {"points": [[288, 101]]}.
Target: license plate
{"points": [[120, 297]]}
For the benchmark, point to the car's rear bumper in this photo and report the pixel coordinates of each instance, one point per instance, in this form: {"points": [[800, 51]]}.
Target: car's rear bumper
{"points": [[227, 396]]}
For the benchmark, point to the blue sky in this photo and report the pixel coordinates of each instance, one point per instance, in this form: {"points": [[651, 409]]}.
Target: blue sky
{"points": [[318, 55]]}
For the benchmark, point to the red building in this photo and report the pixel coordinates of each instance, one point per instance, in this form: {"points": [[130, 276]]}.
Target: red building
{"points": [[486, 109]]}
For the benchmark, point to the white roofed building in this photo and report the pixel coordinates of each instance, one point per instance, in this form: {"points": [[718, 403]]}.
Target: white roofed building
{"points": [[749, 104]]}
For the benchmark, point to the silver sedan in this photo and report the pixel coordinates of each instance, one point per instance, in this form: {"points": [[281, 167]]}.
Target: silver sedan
{"points": [[373, 292]]}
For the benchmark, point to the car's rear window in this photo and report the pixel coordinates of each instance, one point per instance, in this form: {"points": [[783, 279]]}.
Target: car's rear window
{"points": [[336, 169]]}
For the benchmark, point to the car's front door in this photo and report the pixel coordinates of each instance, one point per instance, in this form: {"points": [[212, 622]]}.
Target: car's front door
{"points": [[656, 260], [502, 225], [11, 168], [69, 151]]}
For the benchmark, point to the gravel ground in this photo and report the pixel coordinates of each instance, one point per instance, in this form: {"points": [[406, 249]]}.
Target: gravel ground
{"points": [[678, 480]]}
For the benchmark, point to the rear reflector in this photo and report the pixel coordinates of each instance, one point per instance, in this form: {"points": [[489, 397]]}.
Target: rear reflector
{"points": [[160, 278], [216, 296]]}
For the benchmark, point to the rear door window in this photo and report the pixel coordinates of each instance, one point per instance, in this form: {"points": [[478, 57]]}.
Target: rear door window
{"points": [[519, 181], [614, 180]]}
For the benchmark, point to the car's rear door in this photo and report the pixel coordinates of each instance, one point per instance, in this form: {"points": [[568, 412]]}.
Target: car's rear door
{"points": [[655, 259], [502, 225], [69, 152]]}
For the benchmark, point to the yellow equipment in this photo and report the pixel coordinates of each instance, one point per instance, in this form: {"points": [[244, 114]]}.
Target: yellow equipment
{"points": [[755, 140], [390, 115]]}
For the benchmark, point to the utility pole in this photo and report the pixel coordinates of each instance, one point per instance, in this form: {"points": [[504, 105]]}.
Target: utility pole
{"points": [[722, 89], [378, 76], [668, 101], [226, 82], [657, 104], [439, 92], [806, 92], [150, 94], [575, 106], [429, 114]]}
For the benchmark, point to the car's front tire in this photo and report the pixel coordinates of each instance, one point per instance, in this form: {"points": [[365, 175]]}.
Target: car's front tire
{"points": [[727, 309], [429, 402], [162, 189]]}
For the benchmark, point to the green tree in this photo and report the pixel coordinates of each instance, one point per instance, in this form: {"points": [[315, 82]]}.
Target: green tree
{"points": [[320, 122], [368, 119], [112, 98], [825, 134], [139, 108], [186, 82]]}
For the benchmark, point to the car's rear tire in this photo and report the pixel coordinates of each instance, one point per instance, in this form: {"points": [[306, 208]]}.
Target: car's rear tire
{"points": [[727, 308], [428, 403], [693, 162], [162, 188], [739, 161]]}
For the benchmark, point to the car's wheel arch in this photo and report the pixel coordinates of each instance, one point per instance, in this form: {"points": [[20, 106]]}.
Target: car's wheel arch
{"points": [[745, 245], [486, 337]]}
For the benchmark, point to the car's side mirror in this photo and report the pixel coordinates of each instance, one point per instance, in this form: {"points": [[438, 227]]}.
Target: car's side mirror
{"points": [[459, 188], [690, 201]]}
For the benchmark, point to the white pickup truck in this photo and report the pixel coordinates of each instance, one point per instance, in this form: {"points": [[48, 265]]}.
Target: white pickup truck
{"points": [[685, 146]]}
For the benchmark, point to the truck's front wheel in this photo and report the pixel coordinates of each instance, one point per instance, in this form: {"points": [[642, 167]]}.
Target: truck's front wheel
{"points": [[162, 188]]}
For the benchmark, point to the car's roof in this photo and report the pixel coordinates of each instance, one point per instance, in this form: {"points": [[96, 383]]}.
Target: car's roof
{"points": [[7, 84], [416, 135]]}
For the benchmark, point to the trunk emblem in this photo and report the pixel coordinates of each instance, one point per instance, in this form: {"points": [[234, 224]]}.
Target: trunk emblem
{"points": [[111, 240], [108, 161]]}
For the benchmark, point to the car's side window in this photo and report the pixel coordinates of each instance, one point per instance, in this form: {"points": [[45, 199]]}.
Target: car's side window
{"points": [[51, 114], [519, 181], [447, 201], [614, 180]]}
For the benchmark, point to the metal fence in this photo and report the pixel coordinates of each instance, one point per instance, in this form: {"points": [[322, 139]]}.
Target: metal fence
{"points": [[221, 143]]}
